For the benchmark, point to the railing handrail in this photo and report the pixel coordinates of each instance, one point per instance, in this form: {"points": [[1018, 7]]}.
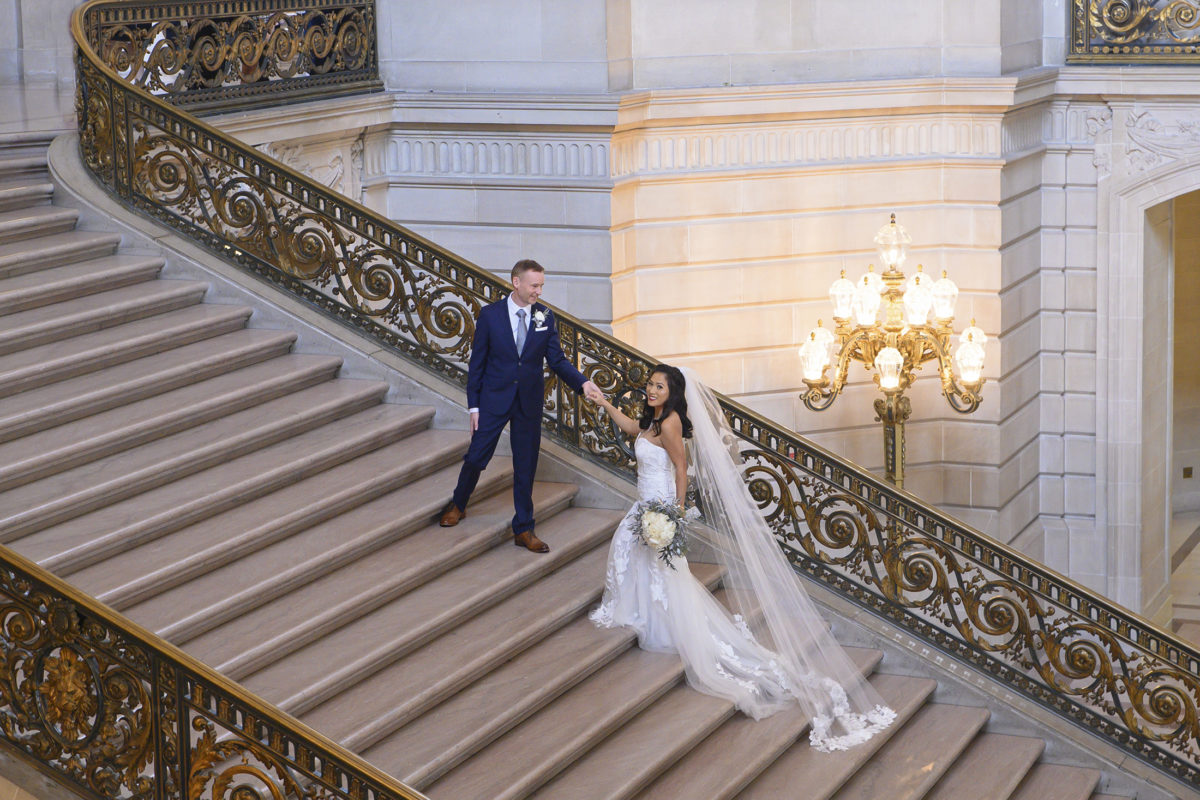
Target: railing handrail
{"points": [[1047, 637]]}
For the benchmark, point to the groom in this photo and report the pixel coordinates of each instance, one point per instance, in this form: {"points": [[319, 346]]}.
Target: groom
{"points": [[513, 337]]}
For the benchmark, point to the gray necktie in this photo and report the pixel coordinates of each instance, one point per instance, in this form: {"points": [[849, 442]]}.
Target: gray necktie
{"points": [[521, 330]]}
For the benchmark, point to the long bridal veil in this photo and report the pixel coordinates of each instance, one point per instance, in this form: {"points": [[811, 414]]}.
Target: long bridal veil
{"points": [[766, 594]]}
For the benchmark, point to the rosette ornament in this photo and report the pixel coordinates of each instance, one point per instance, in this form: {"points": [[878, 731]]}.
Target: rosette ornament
{"points": [[893, 324]]}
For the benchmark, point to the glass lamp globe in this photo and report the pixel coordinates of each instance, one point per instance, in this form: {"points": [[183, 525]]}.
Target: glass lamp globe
{"points": [[969, 360], [945, 295], [973, 334], [917, 277], [814, 357], [865, 305], [872, 279], [892, 243], [889, 361], [918, 300], [823, 336], [841, 294]]}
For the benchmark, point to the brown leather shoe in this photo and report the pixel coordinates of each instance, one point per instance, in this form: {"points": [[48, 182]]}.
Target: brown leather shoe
{"points": [[529, 541], [451, 515]]}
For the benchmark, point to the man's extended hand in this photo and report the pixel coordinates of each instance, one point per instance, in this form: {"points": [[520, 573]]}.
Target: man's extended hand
{"points": [[474, 421], [592, 392]]}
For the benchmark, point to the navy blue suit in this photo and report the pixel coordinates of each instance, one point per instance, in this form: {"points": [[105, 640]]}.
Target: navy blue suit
{"points": [[508, 387]]}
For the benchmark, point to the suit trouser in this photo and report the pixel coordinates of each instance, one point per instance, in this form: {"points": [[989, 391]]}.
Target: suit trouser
{"points": [[525, 436]]}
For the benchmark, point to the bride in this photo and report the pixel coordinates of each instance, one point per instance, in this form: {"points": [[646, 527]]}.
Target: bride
{"points": [[774, 650]]}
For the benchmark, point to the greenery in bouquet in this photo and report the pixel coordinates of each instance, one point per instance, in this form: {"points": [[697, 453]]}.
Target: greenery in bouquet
{"points": [[662, 526]]}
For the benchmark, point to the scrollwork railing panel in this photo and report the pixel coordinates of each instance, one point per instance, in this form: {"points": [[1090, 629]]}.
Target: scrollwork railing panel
{"points": [[1124, 31], [1053, 641]]}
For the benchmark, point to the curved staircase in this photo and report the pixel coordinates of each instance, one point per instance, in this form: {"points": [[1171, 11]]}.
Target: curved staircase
{"points": [[277, 521]]}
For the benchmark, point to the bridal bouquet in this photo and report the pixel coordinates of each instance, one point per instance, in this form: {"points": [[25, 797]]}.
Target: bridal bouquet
{"points": [[660, 525]]}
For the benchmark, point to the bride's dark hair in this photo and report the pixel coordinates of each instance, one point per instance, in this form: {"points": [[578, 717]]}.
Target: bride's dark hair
{"points": [[676, 385]]}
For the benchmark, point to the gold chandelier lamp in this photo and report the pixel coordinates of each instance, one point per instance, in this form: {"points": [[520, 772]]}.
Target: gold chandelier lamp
{"points": [[893, 324]]}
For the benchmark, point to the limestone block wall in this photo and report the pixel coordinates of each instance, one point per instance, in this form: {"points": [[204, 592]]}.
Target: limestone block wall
{"points": [[1185, 331]]}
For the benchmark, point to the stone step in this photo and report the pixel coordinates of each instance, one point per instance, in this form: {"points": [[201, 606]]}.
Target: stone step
{"points": [[917, 755], [17, 166], [821, 774], [447, 735], [382, 703], [42, 408], [197, 555], [24, 191], [57, 361], [388, 605], [990, 769], [124, 525], [93, 312], [369, 489], [18, 224], [368, 633], [649, 745], [30, 255], [1057, 782], [125, 427], [74, 492], [53, 285]]}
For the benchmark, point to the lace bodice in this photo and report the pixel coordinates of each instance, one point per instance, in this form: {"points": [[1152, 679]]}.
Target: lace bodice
{"points": [[655, 472]]}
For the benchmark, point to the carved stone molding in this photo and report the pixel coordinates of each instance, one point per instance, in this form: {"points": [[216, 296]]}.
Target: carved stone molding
{"points": [[464, 155], [329, 174], [1153, 141], [804, 142]]}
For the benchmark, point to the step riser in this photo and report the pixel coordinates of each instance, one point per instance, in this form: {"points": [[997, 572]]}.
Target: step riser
{"points": [[36, 230], [84, 324], [115, 441], [11, 201], [390, 723], [256, 540], [49, 295], [37, 376], [149, 386], [33, 261], [314, 629], [203, 508]]}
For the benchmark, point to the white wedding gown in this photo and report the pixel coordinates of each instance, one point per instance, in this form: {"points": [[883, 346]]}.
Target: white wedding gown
{"points": [[671, 611]]}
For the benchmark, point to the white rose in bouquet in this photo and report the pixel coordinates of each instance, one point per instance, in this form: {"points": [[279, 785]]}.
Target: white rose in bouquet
{"points": [[659, 529]]}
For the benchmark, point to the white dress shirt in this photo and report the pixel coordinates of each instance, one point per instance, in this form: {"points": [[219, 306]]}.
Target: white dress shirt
{"points": [[512, 324]]}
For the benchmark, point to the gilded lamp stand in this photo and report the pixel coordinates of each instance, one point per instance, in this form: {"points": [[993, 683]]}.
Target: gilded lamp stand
{"points": [[916, 328]]}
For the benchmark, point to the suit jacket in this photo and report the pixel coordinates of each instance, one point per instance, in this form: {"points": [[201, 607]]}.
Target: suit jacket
{"points": [[497, 374]]}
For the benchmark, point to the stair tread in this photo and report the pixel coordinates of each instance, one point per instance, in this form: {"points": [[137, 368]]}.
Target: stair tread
{"points": [[24, 189], [417, 616], [222, 590], [37, 366], [821, 774], [78, 274], [179, 454], [31, 254], [72, 398], [428, 747], [127, 426], [515, 764], [377, 705], [19, 218], [653, 741], [123, 524], [202, 550], [990, 769], [382, 606], [917, 755], [1057, 782], [105, 308]]}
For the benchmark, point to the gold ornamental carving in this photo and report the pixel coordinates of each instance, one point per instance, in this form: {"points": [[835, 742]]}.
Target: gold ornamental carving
{"points": [[1125, 31]]}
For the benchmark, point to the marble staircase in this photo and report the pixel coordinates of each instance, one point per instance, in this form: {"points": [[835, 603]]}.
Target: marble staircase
{"points": [[277, 521]]}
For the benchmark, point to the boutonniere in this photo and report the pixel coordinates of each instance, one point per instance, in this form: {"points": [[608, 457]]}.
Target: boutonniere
{"points": [[539, 319]]}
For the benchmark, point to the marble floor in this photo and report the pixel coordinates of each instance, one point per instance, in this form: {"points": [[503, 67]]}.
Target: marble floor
{"points": [[36, 107]]}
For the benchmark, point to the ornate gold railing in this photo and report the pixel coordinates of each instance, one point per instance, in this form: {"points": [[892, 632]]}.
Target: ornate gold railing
{"points": [[115, 712], [1128, 31], [1044, 636]]}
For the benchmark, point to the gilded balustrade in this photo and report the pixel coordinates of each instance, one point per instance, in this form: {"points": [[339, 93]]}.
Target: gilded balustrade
{"points": [[1055, 642], [1128, 31]]}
